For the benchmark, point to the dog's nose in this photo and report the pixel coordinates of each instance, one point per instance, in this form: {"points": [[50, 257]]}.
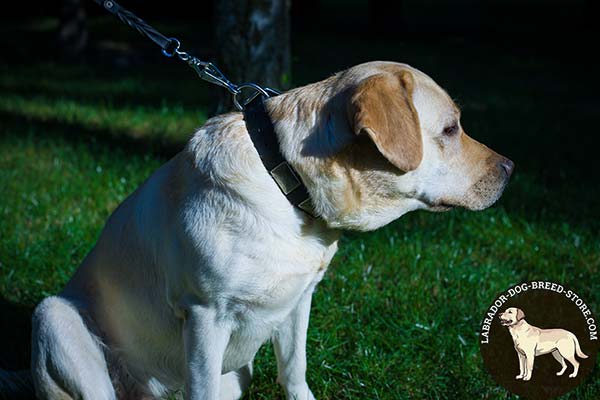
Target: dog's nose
{"points": [[507, 166]]}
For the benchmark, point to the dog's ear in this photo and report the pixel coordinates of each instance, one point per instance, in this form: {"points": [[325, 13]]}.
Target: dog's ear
{"points": [[381, 106], [520, 314]]}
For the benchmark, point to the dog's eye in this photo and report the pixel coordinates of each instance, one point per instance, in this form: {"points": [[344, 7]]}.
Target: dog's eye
{"points": [[451, 129], [510, 312]]}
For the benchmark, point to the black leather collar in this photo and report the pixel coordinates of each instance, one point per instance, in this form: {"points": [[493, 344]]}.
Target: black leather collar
{"points": [[262, 133]]}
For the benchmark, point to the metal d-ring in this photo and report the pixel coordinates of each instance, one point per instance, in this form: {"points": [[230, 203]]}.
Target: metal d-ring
{"points": [[257, 91]]}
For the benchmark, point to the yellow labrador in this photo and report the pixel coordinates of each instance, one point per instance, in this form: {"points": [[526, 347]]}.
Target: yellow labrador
{"points": [[207, 260], [531, 341]]}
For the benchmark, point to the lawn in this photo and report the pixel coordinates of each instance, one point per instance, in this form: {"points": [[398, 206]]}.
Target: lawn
{"points": [[398, 313]]}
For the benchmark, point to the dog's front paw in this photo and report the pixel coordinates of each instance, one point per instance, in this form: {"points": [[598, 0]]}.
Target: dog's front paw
{"points": [[573, 375], [519, 376], [527, 377], [299, 392]]}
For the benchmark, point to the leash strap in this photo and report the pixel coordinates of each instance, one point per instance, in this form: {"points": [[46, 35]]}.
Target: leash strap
{"points": [[262, 133], [168, 45]]}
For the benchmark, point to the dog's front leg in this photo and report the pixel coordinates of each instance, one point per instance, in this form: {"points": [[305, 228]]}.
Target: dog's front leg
{"points": [[521, 365], [290, 349], [529, 361], [205, 339]]}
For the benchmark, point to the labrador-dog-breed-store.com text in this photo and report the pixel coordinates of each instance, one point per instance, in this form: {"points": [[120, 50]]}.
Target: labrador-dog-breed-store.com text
{"points": [[208, 260]]}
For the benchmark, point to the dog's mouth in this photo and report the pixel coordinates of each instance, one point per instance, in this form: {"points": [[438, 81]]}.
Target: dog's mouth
{"points": [[505, 322], [437, 206], [445, 206]]}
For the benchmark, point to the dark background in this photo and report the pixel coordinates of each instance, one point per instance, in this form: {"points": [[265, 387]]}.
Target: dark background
{"points": [[524, 72], [521, 25]]}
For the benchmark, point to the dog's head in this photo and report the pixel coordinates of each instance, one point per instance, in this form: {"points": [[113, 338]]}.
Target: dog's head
{"points": [[511, 316], [388, 140]]}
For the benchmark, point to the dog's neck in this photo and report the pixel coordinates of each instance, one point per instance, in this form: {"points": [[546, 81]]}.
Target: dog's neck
{"points": [[520, 327], [316, 138]]}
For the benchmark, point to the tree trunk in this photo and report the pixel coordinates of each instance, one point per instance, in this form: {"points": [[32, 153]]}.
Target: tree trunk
{"points": [[252, 39], [72, 34]]}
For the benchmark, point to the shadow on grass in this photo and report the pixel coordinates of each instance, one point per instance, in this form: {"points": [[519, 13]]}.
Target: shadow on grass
{"points": [[78, 133], [15, 351], [15, 337], [147, 90]]}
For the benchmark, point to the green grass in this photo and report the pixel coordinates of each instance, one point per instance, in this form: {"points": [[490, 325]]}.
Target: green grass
{"points": [[398, 313]]}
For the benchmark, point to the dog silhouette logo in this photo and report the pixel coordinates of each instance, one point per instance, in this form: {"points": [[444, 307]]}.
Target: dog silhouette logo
{"points": [[539, 340], [531, 341]]}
